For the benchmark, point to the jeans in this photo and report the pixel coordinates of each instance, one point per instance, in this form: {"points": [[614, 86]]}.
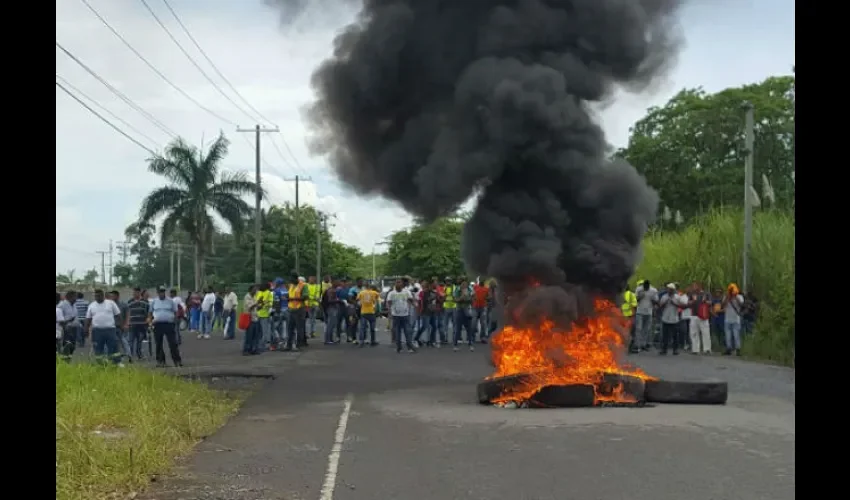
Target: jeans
{"points": [[105, 342], [166, 330], [733, 336], [463, 321], [480, 323], [670, 336], [137, 334], [70, 334], [684, 328], [448, 317], [331, 322], [195, 319], [80, 333], [279, 324], [206, 322], [253, 336], [230, 322], [429, 322], [367, 319], [311, 321], [401, 324], [643, 330], [124, 341]]}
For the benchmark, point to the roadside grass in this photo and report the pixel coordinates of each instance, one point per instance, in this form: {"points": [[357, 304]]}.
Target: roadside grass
{"points": [[710, 251], [117, 427]]}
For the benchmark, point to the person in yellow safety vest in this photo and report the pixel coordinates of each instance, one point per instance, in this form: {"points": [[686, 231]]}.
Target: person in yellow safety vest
{"points": [[297, 314], [449, 306], [628, 308], [314, 293]]}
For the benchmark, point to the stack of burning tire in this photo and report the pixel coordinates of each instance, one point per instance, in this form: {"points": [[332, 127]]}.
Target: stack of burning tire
{"points": [[609, 390]]}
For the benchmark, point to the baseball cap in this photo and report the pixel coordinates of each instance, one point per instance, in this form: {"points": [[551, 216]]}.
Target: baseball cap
{"points": [[160, 289]]}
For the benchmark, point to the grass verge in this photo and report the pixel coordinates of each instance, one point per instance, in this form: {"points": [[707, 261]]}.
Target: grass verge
{"points": [[116, 427], [710, 251]]}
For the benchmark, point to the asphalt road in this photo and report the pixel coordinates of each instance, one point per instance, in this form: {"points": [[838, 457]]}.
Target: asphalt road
{"points": [[342, 423]]}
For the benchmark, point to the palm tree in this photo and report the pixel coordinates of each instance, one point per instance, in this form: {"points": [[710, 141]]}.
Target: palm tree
{"points": [[197, 190]]}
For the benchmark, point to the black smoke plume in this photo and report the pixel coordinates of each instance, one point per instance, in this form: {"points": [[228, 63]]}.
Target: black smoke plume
{"points": [[427, 102]]}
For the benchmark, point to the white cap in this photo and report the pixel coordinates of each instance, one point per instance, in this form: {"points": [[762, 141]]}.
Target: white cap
{"points": [[671, 286], [301, 278]]}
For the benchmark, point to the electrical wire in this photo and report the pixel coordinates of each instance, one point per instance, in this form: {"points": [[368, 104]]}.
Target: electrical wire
{"points": [[192, 60], [225, 80], [212, 64], [154, 68], [95, 113], [118, 93], [104, 109]]}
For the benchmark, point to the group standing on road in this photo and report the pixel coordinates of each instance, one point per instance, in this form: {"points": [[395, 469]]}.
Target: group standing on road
{"points": [[687, 318]]}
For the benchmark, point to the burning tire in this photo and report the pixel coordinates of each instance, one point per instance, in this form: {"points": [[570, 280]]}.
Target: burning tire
{"points": [[491, 389], [709, 392], [564, 396], [632, 390]]}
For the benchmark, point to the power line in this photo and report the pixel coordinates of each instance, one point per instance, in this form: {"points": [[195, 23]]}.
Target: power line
{"points": [[154, 68], [282, 157], [117, 92], [213, 65], [95, 113], [224, 79], [192, 60], [104, 109]]}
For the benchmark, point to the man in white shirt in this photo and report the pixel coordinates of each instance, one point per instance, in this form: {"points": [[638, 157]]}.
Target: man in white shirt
{"points": [[646, 296], [229, 308], [71, 328], [101, 325], [207, 314], [400, 303]]}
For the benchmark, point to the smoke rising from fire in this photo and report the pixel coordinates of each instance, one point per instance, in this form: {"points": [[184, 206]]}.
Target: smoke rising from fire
{"points": [[429, 101]]}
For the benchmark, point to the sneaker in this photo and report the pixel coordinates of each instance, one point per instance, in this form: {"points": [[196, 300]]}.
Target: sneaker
{"points": [[410, 350], [206, 335], [437, 345], [455, 348], [200, 336], [416, 344], [295, 349], [121, 365], [471, 348]]}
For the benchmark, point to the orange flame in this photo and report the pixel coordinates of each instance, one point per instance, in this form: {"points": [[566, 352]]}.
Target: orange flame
{"points": [[580, 354]]}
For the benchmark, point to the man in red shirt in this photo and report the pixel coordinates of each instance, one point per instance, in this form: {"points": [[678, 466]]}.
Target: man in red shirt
{"points": [[480, 321]]}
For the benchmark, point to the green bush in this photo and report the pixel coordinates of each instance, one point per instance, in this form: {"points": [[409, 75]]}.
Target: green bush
{"points": [[710, 251]]}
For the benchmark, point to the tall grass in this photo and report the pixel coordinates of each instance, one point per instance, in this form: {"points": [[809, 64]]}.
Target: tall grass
{"points": [[115, 427], [710, 251]]}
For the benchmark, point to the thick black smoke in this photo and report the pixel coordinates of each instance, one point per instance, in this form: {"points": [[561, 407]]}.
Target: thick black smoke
{"points": [[429, 101]]}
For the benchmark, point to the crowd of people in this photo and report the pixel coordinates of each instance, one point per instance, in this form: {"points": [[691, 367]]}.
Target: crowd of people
{"points": [[278, 315], [285, 314], [688, 318]]}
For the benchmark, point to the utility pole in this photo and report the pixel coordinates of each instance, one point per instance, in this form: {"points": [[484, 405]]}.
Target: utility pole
{"points": [[102, 264], [171, 265], [124, 248], [258, 224], [748, 192], [297, 180], [110, 263], [179, 248]]}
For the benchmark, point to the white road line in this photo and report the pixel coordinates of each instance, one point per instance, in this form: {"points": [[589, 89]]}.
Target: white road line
{"points": [[333, 459]]}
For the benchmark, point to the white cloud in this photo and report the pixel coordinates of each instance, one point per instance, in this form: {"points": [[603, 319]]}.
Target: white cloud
{"points": [[101, 177]]}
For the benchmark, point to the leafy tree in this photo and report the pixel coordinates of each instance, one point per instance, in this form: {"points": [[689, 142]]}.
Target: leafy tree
{"points": [[197, 190], [123, 274], [692, 149], [68, 277], [90, 276], [427, 250]]}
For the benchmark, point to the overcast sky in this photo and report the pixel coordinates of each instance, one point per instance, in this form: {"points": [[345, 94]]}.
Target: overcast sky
{"points": [[101, 177]]}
